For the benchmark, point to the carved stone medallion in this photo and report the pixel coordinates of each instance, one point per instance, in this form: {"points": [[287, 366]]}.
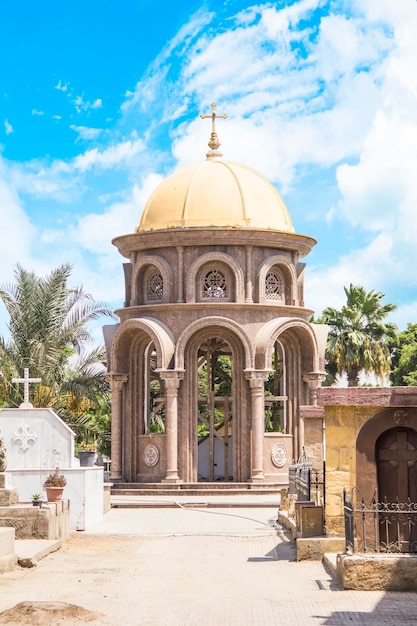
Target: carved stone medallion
{"points": [[279, 455], [401, 416], [151, 455]]}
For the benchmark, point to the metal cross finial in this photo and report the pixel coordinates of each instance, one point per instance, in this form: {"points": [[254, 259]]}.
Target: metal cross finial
{"points": [[26, 380], [214, 142]]}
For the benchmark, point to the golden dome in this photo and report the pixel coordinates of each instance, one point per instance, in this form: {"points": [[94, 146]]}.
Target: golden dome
{"points": [[215, 193]]}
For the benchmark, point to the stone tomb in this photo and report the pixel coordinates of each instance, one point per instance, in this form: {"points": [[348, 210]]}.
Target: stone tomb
{"points": [[370, 448], [37, 441]]}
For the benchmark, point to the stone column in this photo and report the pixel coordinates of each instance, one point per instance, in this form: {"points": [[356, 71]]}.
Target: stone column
{"points": [[313, 379], [180, 280], [248, 286], [256, 380], [172, 379], [116, 385]]}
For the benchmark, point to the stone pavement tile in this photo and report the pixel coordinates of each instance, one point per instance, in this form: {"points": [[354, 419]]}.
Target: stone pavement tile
{"points": [[185, 520]]}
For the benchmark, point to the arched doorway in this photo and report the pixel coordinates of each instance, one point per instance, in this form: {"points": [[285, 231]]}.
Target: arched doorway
{"points": [[215, 411], [214, 403]]}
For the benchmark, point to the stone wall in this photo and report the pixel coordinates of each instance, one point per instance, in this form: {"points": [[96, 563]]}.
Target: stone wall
{"points": [[313, 420], [29, 522]]}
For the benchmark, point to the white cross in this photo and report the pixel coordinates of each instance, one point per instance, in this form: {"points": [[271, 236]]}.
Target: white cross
{"points": [[26, 380]]}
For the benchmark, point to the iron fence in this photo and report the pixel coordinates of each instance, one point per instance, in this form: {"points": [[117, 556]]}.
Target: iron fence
{"points": [[380, 527], [307, 483]]}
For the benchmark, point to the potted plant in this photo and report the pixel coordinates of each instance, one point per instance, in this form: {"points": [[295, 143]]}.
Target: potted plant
{"points": [[37, 500], [86, 453], [54, 486]]}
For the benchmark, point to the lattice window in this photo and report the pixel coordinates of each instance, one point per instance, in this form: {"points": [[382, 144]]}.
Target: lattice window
{"points": [[273, 286], [215, 285], [155, 288]]}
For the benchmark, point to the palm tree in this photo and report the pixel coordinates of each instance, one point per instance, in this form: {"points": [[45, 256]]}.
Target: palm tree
{"points": [[358, 337], [49, 335]]}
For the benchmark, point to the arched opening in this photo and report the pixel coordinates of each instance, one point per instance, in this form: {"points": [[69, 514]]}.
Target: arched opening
{"points": [[215, 411], [276, 398], [153, 396], [214, 358]]}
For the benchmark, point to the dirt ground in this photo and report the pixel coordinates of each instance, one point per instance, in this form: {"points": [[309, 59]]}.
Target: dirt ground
{"points": [[71, 564]]}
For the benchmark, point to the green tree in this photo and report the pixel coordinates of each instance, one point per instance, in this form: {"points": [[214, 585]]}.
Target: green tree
{"points": [[358, 335], [49, 334], [404, 357]]}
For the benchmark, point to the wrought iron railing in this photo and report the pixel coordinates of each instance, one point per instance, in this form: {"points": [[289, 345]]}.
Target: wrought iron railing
{"points": [[389, 527], [307, 483]]}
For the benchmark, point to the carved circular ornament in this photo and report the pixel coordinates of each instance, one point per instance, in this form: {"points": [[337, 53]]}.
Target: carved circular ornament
{"points": [[151, 455], [279, 455]]}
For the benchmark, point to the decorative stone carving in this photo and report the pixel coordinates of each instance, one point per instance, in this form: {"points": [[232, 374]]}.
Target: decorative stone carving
{"points": [[279, 455], [24, 436], [272, 286], [151, 455], [401, 416], [155, 290]]}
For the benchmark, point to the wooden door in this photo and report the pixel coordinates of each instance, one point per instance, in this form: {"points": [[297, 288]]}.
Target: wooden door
{"points": [[396, 456]]}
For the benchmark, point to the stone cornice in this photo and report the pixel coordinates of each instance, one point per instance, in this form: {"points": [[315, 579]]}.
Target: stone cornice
{"points": [[173, 237], [213, 309], [311, 411], [367, 396]]}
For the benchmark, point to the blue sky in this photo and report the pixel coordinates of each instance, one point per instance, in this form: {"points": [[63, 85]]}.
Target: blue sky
{"points": [[100, 100]]}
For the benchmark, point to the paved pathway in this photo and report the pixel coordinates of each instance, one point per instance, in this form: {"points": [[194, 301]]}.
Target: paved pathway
{"points": [[208, 567]]}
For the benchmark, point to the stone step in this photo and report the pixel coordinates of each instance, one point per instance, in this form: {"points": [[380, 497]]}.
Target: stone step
{"points": [[30, 551], [190, 492], [200, 487], [222, 490], [227, 503]]}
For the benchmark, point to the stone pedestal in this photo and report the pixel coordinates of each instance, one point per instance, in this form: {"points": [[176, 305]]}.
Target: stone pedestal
{"points": [[309, 519], [8, 558]]}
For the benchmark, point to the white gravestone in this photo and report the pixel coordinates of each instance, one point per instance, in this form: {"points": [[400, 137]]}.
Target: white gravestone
{"points": [[37, 441]]}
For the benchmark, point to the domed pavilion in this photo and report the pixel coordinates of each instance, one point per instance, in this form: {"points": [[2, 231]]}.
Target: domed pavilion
{"points": [[214, 354]]}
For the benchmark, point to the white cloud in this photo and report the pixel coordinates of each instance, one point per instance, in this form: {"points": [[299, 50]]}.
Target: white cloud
{"points": [[16, 230], [371, 267], [95, 231], [61, 86], [36, 112], [64, 181], [8, 128], [111, 157], [84, 132], [404, 314], [85, 105]]}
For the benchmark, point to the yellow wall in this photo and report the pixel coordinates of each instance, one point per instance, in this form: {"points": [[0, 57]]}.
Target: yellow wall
{"points": [[342, 424]]}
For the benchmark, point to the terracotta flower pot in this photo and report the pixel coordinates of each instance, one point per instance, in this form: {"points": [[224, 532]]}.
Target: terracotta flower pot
{"points": [[54, 494]]}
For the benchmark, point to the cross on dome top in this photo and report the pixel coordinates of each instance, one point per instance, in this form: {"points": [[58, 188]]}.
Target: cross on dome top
{"points": [[26, 380], [214, 143]]}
